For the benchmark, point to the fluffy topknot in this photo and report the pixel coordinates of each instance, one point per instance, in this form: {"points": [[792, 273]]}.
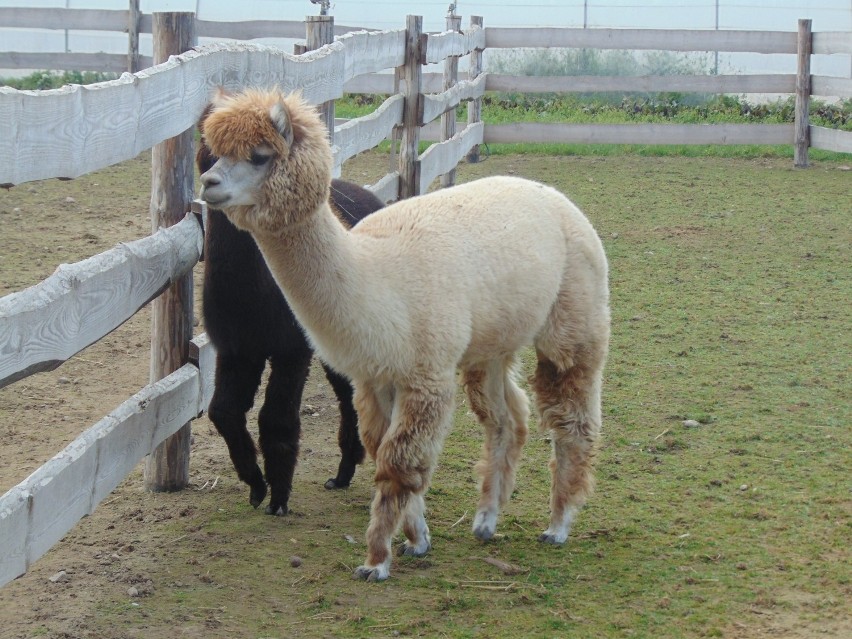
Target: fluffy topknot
{"points": [[240, 122]]}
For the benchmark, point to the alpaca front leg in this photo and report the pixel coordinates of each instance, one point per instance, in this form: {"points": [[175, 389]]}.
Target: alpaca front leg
{"points": [[405, 460], [418, 540], [374, 406], [385, 514], [279, 426], [237, 379]]}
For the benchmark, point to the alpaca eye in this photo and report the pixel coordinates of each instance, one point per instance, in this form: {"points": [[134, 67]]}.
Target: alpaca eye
{"points": [[259, 159]]}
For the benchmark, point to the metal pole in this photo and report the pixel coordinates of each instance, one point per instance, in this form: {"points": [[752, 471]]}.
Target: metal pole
{"points": [[716, 55], [67, 50]]}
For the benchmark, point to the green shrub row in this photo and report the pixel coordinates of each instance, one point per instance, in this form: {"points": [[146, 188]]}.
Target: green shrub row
{"points": [[501, 108], [41, 80]]}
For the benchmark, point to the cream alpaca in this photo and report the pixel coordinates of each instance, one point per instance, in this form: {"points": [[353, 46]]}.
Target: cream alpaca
{"points": [[458, 279]]}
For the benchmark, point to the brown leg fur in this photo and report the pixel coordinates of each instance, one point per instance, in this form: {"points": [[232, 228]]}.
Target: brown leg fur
{"points": [[569, 404], [405, 460]]}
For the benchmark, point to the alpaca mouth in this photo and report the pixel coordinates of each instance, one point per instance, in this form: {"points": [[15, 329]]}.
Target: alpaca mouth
{"points": [[211, 198]]}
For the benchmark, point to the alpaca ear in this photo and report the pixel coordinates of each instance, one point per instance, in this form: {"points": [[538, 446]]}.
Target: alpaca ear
{"points": [[281, 120]]}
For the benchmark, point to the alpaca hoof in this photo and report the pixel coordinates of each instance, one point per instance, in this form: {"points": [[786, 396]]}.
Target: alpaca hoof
{"points": [[410, 550], [484, 525], [551, 538], [257, 495], [278, 511], [371, 573], [334, 484], [483, 533]]}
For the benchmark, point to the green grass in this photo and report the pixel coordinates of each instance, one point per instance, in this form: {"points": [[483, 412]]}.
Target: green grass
{"points": [[731, 286]]}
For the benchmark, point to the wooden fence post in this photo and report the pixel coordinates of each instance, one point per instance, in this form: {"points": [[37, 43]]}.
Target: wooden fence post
{"points": [[167, 468], [133, 16], [319, 31], [412, 114], [474, 107], [393, 164], [451, 77], [803, 94]]}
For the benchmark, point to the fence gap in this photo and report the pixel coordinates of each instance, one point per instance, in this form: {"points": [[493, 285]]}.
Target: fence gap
{"points": [[451, 77], [167, 467], [804, 46], [474, 107], [319, 31], [412, 115]]}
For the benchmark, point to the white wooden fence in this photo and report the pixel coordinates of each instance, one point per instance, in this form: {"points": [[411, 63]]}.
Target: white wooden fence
{"points": [[86, 128], [799, 81]]}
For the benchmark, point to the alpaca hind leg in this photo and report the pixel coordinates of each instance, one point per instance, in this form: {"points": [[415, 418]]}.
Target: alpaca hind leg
{"points": [[569, 403], [405, 460], [503, 409], [237, 380], [280, 426], [351, 448]]}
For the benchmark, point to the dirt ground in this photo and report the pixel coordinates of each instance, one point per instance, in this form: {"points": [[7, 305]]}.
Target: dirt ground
{"points": [[42, 225]]}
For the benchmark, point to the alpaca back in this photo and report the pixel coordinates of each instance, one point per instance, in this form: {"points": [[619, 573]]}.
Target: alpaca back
{"points": [[465, 276]]}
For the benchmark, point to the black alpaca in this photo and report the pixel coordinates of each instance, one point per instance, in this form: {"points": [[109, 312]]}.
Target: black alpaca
{"points": [[249, 322]]}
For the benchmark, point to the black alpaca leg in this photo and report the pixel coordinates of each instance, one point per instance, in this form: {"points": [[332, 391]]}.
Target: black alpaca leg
{"points": [[280, 426], [237, 379], [351, 448]]}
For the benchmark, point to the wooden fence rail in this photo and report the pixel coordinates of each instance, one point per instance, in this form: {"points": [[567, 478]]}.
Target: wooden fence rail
{"points": [[44, 325], [78, 129]]}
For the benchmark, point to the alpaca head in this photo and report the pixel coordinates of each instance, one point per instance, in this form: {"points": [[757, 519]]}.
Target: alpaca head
{"points": [[274, 159]]}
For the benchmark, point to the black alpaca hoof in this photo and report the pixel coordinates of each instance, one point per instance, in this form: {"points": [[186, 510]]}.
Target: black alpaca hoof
{"points": [[334, 483], [257, 495], [277, 510]]}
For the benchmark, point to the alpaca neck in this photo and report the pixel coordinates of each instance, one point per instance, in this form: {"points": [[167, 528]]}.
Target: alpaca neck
{"points": [[316, 265]]}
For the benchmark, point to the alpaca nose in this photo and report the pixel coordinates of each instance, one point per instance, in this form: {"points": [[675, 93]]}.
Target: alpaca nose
{"points": [[209, 179]]}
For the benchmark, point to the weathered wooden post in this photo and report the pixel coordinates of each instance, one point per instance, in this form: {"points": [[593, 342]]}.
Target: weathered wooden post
{"points": [[451, 78], [803, 94], [167, 468], [319, 31], [133, 16], [474, 107], [412, 114], [397, 131]]}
